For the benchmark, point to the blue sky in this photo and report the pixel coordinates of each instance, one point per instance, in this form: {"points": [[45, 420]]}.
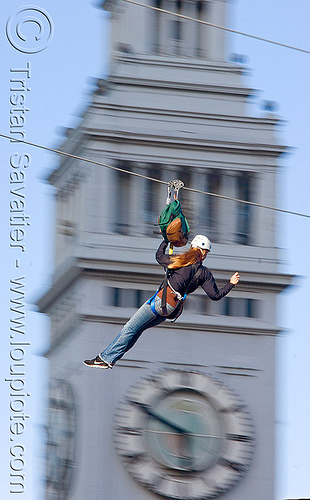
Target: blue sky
{"points": [[281, 75], [60, 82]]}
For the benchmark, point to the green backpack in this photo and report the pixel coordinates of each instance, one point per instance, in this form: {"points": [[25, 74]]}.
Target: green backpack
{"points": [[173, 224]]}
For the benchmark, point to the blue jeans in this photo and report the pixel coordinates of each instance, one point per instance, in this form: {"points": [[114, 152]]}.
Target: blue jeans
{"points": [[142, 319]]}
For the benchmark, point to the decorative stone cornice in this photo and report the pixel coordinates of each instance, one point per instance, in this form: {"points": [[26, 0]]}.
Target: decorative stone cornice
{"points": [[185, 323], [148, 275], [184, 86], [176, 141]]}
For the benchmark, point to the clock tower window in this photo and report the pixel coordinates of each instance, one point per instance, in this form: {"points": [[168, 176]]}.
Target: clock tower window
{"points": [[178, 36]]}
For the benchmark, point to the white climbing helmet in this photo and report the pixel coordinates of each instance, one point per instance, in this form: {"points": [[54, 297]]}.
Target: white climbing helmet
{"points": [[201, 242]]}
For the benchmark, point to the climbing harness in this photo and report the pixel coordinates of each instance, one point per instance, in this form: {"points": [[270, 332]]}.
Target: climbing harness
{"points": [[166, 301]]}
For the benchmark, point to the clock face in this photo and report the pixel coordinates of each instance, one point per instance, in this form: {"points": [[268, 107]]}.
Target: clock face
{"points": [[60, 440], [184, 435]]}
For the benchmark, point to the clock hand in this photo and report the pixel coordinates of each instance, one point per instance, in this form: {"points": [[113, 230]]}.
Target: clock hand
{"points": [[183, 432], [149, 412]]}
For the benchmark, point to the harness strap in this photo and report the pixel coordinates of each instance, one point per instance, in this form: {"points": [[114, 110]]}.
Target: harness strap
{"points": [[164, 295], [196, 275], [178, 295], [151, 302]]}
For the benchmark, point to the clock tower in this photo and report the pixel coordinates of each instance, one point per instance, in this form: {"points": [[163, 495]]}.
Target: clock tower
{"points": [[188, 413]]}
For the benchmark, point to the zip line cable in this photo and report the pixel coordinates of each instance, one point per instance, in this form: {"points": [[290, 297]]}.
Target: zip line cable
{"points": [[136, 174], [224, 28], [100, 164], [88, 160]]}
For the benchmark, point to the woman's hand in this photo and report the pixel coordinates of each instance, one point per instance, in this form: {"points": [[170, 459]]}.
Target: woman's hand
{"points": [[235, 279]]}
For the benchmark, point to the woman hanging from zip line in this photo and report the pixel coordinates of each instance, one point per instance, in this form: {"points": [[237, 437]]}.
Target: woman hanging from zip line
{"points": [[185, 273]]}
